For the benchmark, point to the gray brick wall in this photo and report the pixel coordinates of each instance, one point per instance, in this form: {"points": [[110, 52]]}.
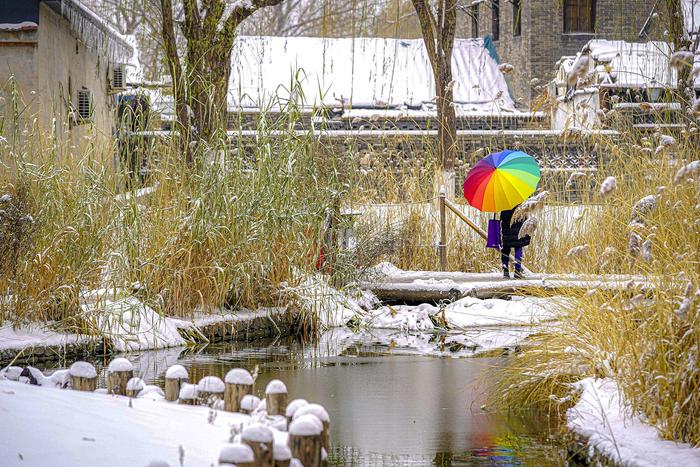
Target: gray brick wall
{"points": [[542, 41]]}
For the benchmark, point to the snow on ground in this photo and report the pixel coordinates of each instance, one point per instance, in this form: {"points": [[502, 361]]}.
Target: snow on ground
{"points": [[131, 324], [332, 307], [602, 417], [41, 426], [464, 313], [35, 335]]}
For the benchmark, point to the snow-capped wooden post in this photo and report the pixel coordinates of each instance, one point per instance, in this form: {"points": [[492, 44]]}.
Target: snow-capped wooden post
{"points": [[443, 232], [249, 403], [119, 372], [305, 440], [188, 394], [83, 376], [238, 454], [292, 407], [261, 441], [239, 383], [175, 377], [210, 389], [134, 386], [319, 412], [282, 455], [276, 397]]}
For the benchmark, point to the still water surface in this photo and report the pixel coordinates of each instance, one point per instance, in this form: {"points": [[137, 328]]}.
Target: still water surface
{"points": [[386, 407]]}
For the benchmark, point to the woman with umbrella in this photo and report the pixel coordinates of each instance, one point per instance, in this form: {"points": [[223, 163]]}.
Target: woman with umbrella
{"points": [[499, 183], [511, 240]]}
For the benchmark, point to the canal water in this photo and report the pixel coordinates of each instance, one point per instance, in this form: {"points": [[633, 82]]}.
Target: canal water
{"points": [[388, 405]]}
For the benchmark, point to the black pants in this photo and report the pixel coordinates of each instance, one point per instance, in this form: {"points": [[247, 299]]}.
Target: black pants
{"points": [[505, 257]]}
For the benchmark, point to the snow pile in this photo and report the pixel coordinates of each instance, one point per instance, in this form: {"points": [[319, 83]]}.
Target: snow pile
{"points": [[316, 410], [293, 406], [135, 384], [236, 454], [250, 402], [212, 384], [34, 335], [131, 325], [464, 313], [239, 376], [83, 370], [276, 387], [176, 372], [331, 307], [257, 433], [120, 364], [602, 417], [306, 425]]}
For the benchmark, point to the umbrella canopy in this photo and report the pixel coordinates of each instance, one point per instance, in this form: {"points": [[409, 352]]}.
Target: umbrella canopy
{"points": [[501, 181]]}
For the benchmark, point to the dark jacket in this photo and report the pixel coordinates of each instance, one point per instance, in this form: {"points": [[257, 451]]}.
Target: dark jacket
{"points": [[510, 232]]}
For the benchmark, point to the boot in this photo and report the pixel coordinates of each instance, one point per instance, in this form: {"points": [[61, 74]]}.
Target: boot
{"points": [[506, 273], [519, 274]]}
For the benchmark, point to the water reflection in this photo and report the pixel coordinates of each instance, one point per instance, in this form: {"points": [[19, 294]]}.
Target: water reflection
{"points": [[388, 406]]}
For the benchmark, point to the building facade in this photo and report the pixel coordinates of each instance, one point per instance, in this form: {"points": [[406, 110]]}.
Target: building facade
{"points": [[60, 70], [532, 35]]}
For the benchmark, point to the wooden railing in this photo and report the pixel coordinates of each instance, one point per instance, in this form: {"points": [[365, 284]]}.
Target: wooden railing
{"points": [[442, 247]]}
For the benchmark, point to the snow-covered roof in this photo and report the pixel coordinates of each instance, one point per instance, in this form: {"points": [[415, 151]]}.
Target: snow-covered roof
{"points": [[359, 72], [624, 64], [23, 26], [94, 31]]}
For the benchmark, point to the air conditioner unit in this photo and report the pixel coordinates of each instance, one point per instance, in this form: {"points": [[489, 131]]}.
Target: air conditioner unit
{"points": [[118, 77]]}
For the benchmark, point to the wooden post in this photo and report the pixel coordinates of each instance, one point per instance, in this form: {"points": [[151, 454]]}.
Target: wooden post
{"points": [[249, 403], [320, 413], [119, 372], [175, 377], [276, 397], [210, 389], [134, 386], [188, 394], [305, 440], [239, 383], [443, 232], [261, 441], [83, 376], [238, 454]]}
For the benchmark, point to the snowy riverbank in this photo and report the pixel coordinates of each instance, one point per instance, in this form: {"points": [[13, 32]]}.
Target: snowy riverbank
{"points": [[46, 426], [603, 419]]}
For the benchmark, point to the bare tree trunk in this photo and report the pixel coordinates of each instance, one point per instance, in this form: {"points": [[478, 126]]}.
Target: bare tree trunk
{"points": [[178, 80], [200, 78], [438, 26]]}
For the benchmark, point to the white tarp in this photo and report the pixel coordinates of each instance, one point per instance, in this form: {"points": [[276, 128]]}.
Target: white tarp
{"points": [[359, 72]]}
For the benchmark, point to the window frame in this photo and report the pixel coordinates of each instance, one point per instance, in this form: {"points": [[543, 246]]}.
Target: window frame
{"points": [[474, 13], [81, 116], [578, 6]]}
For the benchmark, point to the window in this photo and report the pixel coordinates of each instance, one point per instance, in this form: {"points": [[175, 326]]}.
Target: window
{"points": [[475, 20], [495, 19], [579, 15], [118, 80], [84, 105], [517, 17]]}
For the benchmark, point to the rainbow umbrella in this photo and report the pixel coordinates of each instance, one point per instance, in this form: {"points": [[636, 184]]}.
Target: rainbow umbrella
{"points": [[501, 181]]}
